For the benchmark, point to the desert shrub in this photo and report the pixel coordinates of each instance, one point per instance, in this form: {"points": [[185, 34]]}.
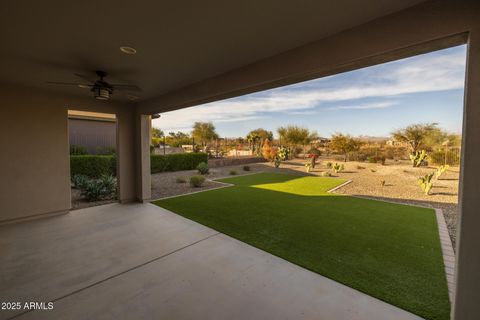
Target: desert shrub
{"points": [[326, 174], [357, 156], [308, 166], [181, 180], [360, 168], [268, 152], [78, 150], [80, 181], [329, 165], [97, 189], [338, 167], [93, 166], [176, 162], [426, 182], [373, 170], [233, 172], [372, 159], [203, 168], [246, 168], [197, 181], [314, 151], [382, 183]]}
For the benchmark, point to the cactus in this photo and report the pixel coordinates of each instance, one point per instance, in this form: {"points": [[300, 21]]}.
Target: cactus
{"points": [[426, 182], [418, 157], [441, 170]]}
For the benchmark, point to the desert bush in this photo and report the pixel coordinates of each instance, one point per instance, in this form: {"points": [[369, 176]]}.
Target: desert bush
{"points": [[233, 172], [97, 189], [80, 181], [372, 159], [246, 168], [360, 168], [382, 183], [373, 170], [181, 180], [308, 166], [93, 166], [268, 152], [203, 168], [426, 182], [440, 157], [329, 165], [176, 162], [326, 174], [338, 167], [197, 181]]}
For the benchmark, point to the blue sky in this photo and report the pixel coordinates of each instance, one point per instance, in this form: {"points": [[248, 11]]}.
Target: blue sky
{"points": [[371, 101]]}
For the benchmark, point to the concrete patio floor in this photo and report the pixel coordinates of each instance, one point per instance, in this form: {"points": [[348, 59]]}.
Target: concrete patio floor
{"points": [[140, 261]]}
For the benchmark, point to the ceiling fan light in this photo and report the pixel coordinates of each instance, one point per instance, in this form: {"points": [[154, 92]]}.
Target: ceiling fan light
{"points": [[101, 93], [128, 50]]}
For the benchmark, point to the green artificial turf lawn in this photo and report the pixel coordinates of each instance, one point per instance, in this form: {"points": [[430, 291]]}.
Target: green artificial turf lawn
{"points": [[389, 251]]}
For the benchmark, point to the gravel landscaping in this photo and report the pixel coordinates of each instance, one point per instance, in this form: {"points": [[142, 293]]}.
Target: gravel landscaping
{"points": [[400, 183]]}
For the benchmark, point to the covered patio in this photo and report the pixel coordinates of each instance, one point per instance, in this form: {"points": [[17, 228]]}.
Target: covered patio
{"points": [[134, 260], [140, 261]]}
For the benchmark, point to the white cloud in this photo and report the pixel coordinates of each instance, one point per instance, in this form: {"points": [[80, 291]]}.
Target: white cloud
{"points": [[426, 73], [380, 105]]}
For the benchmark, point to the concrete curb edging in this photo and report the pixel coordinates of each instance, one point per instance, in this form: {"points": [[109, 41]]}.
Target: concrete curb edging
{"points": [[338, 187], [223, 185], [447, 252]]}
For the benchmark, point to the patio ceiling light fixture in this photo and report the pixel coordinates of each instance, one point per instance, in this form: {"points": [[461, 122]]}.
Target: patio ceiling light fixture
{"points": [[128, 50]]}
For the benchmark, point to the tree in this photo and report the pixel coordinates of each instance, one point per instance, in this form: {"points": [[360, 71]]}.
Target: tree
{"points": [[257, 137], [293, 136], [416, 135], [157, 133], [204, 132], [344, 144], [178, 139]]}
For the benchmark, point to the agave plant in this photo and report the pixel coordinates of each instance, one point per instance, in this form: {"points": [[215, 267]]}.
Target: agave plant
{"points": [[426, 182], [338, 167]]}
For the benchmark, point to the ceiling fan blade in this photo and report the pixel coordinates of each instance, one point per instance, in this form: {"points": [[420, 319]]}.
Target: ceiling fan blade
{"points": [[84, 77], [126, 87], [68, 83]]}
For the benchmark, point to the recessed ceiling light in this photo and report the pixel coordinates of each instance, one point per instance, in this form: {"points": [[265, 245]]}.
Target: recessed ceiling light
{"points": [[128, 50]]}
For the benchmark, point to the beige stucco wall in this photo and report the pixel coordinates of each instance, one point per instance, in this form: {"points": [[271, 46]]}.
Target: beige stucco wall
{"points": [[34, 151]]}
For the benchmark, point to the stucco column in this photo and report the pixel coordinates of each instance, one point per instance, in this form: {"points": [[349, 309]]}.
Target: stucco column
{"points": [[126, 166], [467, 299], [144, 184]]}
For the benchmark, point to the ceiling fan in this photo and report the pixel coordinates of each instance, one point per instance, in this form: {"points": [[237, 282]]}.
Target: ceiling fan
{"points": [[102, 90]]}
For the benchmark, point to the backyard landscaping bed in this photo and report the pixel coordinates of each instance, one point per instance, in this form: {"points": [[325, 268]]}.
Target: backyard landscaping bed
{"points": [[387, 250], [400, 183]]}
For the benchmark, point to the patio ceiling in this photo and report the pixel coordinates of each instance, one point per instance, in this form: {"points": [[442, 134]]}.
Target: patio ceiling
{"points": [[178, 42]]}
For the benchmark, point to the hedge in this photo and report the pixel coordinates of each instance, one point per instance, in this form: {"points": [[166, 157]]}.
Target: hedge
{"points": [[176, 162], [96, 165], [93, 165]]}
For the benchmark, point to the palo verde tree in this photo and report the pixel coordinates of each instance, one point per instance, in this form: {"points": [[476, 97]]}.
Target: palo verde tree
{"points": [[203, 133], [344, 144]]}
